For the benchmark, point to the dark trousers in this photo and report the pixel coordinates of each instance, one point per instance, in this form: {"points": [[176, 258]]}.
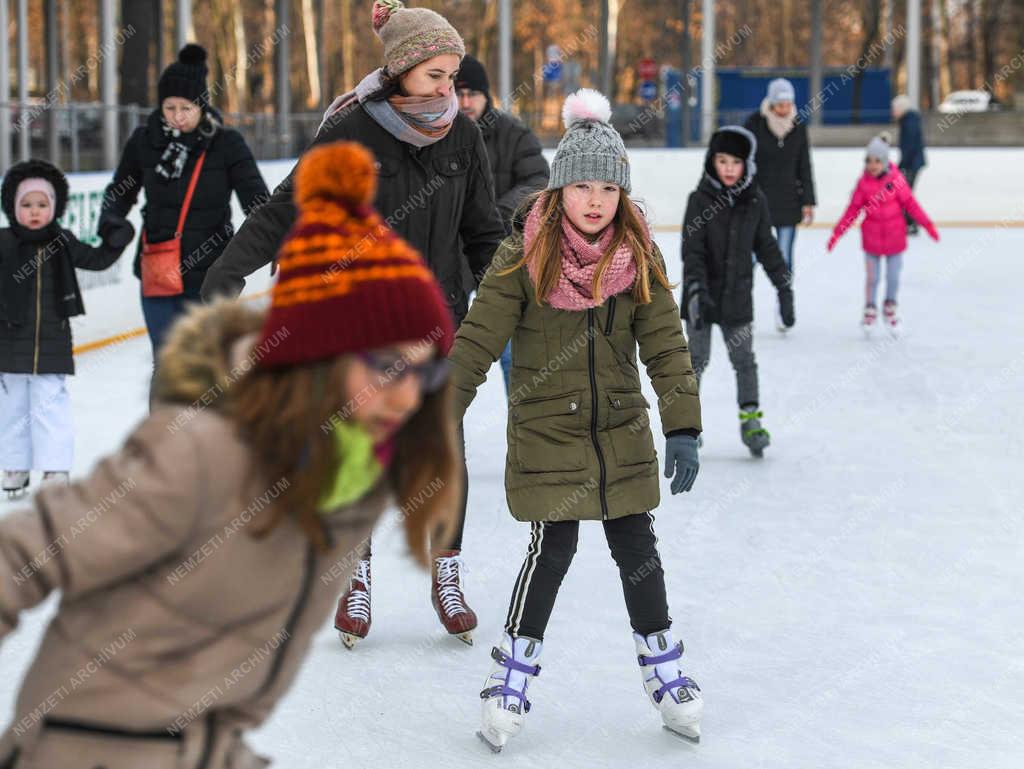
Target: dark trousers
{"points": [[911, 177], [161, 312], [552, 545]]}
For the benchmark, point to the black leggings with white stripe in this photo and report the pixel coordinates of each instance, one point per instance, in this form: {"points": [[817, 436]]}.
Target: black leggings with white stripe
{"points": [[552, 546]]}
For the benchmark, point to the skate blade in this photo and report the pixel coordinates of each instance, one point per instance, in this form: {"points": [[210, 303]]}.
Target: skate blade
{"points": [[690, 734], [486, 741], [466, 638], [348, 639], [757, 453]]}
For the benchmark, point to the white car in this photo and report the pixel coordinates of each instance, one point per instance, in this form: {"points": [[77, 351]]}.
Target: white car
{"points": [[966, 101]]}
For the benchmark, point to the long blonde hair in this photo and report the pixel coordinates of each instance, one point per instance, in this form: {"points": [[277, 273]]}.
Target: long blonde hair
{"points": [[545, 250]]}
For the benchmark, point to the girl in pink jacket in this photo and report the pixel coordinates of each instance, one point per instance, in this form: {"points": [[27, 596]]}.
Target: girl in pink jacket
{"points": [[883, 193]]}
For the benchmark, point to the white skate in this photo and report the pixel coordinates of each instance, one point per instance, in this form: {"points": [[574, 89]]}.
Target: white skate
{"points": [[15, 483], [869, 322], [504, 697], [892, 318], [676, 697]]}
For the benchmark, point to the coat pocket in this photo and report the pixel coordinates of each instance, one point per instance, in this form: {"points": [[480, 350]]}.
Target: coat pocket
{"points": [[452, 164], [548, 434], [629, 427]]}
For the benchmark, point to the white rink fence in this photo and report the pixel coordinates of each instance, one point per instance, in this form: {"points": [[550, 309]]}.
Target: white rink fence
{"points": [[972, 187]]}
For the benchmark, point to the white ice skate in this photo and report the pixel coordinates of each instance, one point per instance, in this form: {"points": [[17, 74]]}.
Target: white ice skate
{"points": [[675, 696], [15, 483], [504, 697], [892, 318], [869, 322]]}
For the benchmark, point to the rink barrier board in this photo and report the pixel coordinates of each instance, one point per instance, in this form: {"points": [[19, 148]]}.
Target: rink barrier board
{"points": [[663, 229], [113, 304]]}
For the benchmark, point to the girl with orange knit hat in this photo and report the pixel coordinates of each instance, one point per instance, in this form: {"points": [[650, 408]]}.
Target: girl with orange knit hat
{"points": [[276, 440]]}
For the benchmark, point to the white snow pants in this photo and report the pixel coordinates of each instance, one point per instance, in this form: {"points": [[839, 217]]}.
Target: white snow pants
{"points": [[36, 432]]}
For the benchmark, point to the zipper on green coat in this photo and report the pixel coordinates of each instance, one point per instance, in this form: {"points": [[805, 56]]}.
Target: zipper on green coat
{"points": [[603, 490]]}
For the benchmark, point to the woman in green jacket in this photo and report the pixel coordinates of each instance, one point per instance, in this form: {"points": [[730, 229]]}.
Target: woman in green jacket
{"points": [[577, 291]]}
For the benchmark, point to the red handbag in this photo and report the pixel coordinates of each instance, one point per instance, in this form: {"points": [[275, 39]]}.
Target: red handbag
{"points": [[161, 262]]}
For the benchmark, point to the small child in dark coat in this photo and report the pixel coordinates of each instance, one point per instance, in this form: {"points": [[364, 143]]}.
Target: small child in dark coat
{"points": [[727, 220], [38, 295]]}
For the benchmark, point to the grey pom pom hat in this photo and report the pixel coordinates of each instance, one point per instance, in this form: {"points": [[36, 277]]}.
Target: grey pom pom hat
{"points": [[590, 149]]}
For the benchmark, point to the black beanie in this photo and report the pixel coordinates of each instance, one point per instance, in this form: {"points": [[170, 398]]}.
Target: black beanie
{"points": [[185, 78], [473, 76], [731, 143]]}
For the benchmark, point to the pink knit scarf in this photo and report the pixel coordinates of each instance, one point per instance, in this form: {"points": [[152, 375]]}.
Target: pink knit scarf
{"points": [[579, 264]]}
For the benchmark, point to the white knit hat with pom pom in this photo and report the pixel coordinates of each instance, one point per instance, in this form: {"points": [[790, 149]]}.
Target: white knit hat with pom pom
{"points": [[590, 150]]}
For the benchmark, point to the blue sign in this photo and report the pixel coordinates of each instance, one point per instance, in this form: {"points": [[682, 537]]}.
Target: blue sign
{"points": [[648, 90], [552, 71]]}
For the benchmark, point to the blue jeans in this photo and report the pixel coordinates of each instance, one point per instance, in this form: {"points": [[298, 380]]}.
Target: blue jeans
{"points": [[506, 364], [161, 312], [785, 237], [873, 270]]}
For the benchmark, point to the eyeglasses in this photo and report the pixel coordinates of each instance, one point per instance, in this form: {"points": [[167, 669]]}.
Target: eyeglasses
{"points": [[392, 369]]}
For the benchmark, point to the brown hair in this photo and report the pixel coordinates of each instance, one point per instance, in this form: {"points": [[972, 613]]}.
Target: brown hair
{"points": [[286, 416], [546, 249]]}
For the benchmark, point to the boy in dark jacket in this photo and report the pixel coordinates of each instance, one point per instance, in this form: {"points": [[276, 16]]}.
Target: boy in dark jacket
{"points": [[38, 295], [727, 220]]}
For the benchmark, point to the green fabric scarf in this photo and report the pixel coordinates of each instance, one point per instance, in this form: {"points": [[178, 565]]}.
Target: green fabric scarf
{"points": [[359, 468]]}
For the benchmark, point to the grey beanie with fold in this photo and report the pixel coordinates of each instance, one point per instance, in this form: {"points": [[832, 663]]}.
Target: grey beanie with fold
{"points": [[591, 149], [878, 148]]}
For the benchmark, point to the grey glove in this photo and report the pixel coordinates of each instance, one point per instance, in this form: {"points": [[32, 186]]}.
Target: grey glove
{"points": [[681, 461]]}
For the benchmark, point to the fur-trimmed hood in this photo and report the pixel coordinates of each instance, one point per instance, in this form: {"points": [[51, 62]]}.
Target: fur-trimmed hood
{"points": [[33, 169], [208, 349]]}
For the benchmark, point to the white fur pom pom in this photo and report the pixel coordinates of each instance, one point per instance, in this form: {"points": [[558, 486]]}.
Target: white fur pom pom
{"points": [[586, 104]]}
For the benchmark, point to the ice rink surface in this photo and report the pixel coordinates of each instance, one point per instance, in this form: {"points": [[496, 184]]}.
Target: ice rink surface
{"points": [[851, 601]]}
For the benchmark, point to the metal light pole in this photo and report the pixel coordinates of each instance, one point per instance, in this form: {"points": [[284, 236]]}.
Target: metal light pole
{"points": [[707, 74], [505, 53], [5, 92], [914, 53], [108, 83]]}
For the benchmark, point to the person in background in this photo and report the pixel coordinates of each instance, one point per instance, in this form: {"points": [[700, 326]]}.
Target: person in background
{"points": [[726, 221], [911, 141], [784, 171], [435, 190], [885, 197], [517, 163], [160, 158], [39, 294]]}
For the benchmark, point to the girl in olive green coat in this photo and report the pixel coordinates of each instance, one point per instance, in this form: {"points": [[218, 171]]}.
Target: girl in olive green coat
{"points": [[578, 290]]}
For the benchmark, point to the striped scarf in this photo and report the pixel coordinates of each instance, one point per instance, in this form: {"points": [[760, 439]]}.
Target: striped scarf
{"points": [[416, 120]]}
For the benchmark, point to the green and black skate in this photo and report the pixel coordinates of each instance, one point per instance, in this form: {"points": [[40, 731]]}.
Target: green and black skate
{"points": [[753, 435]]}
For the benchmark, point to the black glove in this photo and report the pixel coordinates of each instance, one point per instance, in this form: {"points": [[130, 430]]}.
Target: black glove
{"points": [[116, 232], [786, 307], [699, 306]]}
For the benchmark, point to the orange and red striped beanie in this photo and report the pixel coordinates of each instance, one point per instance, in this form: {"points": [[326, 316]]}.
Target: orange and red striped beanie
{"points": [[346, 282]]}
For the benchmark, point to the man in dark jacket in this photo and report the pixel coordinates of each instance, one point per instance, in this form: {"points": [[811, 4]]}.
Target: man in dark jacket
{"points": [[911, 145], [726, 220], [518, 166]]}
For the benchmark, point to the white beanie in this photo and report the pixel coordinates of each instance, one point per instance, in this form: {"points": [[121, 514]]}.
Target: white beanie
{"points": [[901, 104]]}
